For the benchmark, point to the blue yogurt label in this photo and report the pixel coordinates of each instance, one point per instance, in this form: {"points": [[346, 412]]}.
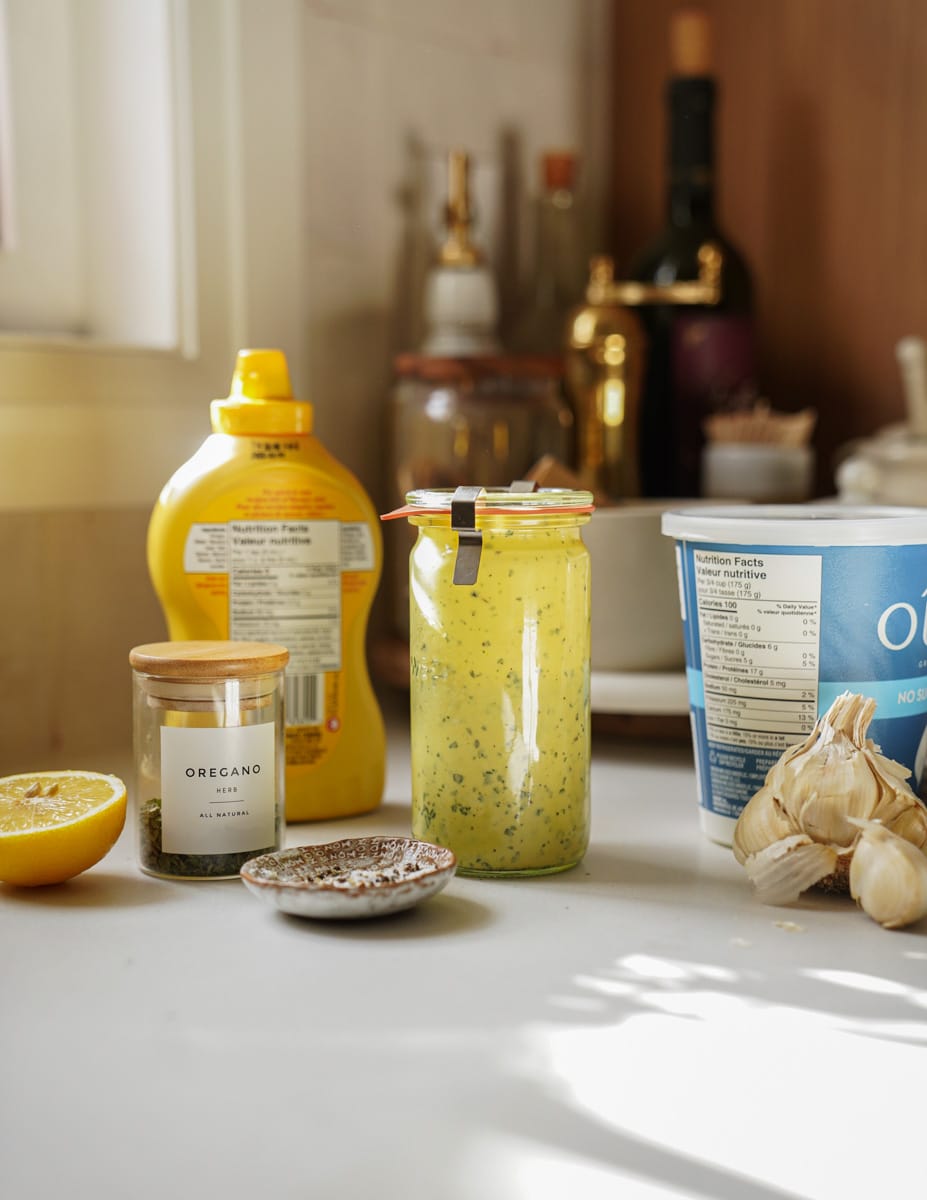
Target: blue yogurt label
{"points": [[773, 636]]}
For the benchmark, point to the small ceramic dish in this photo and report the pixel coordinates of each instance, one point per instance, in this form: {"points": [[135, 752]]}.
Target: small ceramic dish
{"points": [[356, 877]]}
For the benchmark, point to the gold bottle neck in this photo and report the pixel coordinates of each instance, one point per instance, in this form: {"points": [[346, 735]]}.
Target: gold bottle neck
{"points": [[458, 249], [604, 289]]}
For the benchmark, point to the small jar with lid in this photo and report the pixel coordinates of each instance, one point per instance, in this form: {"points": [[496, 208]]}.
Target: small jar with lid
{"points": [[209, 755], [499, 648]]}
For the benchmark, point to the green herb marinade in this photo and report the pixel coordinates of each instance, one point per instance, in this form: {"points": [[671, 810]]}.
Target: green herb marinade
{"points": [[500, 700]]}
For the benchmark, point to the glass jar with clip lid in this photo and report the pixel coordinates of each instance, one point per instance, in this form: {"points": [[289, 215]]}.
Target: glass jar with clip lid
{"points": [[499, 648]]}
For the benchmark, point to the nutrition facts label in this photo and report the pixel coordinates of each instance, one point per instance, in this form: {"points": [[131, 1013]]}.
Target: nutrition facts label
{"points": [[759, 627], [285, 586]]}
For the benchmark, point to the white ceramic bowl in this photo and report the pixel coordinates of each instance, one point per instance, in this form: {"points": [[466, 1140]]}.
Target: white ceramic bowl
{"points": [[636, 614]]}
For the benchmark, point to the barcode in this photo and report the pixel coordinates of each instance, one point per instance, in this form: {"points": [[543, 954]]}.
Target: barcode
{"points": [[305, 699]]}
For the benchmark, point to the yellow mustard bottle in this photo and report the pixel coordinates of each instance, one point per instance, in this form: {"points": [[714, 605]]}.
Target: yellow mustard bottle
{"points": [[263, 536]]}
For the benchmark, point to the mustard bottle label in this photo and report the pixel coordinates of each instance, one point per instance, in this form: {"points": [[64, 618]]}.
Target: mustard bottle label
{"points": [[284, 582]]}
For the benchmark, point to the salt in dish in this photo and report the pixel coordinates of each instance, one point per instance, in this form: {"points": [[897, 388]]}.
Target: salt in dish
{"points": [[355, 877]]}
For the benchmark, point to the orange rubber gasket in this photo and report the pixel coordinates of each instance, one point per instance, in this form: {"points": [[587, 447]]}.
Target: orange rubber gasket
{"points": [[409, 510]]}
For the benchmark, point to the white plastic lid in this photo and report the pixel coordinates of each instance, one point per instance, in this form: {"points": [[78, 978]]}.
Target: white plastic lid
{"points": [[799, 525]]}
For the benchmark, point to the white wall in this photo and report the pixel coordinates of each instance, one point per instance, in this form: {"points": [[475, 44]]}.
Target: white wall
{"points": [[309, 141], [388, 86]]}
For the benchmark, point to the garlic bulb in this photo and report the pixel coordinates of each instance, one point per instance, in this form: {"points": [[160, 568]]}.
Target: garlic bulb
{"points": [[888, 876], [814, 796]]}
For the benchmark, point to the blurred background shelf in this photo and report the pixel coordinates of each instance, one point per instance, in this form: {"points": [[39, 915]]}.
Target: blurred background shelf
{"points": [[655, 693]]}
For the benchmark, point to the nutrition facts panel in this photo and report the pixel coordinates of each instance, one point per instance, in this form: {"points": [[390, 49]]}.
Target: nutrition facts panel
{"points": [[759, 627], [285, 586]]}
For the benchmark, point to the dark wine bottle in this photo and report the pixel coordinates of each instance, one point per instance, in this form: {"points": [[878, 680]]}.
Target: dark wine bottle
{"points": [[701, 358]]}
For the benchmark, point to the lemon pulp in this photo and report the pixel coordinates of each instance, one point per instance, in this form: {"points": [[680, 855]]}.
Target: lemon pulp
{"points": [[56, 824]]}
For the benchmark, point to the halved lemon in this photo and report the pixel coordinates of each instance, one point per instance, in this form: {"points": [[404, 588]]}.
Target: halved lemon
{"points": [[55, 824]]}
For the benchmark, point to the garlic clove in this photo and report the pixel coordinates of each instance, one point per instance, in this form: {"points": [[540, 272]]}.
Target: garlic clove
{"points": [[849, 791], [903, 813], [888, 876], [762, 822], [835, 778], [910, 824], [788, 867], [895, 773]]}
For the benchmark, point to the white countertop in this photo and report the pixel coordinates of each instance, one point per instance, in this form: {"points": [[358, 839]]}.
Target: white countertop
{"points": [[639, 1027]]}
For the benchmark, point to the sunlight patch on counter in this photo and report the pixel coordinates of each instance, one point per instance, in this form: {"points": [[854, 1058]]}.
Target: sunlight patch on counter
{"points": [[753, 1092], [860, 982], [525, 1170], [692, 1064]]}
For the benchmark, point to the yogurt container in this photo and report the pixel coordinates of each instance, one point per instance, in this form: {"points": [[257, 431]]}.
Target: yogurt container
{"points": [[784, 607]]}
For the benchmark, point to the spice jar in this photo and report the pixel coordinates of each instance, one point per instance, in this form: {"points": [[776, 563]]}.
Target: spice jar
{"points": [[209, 755], [499, 648]]}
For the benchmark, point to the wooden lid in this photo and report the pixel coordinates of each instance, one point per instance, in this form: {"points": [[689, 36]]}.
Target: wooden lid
{"points": [[208, 660]]}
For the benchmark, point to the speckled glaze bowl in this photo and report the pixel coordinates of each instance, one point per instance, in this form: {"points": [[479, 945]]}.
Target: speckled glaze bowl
{"points": [[356, 877]]}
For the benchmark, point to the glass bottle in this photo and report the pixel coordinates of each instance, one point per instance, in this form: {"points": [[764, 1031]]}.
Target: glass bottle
{"points": [[700, 359], [209, 755], [605, 356], [461, 303], [558, 261], [499, 649]]}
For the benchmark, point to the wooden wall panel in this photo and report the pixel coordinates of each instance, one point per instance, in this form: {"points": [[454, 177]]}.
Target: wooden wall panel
{"points": [[822, 180]]}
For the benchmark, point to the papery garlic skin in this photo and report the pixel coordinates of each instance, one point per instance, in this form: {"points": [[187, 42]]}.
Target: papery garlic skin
{"points": [[818, 792], [784, 870], [833, 779], [888, 876]]}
